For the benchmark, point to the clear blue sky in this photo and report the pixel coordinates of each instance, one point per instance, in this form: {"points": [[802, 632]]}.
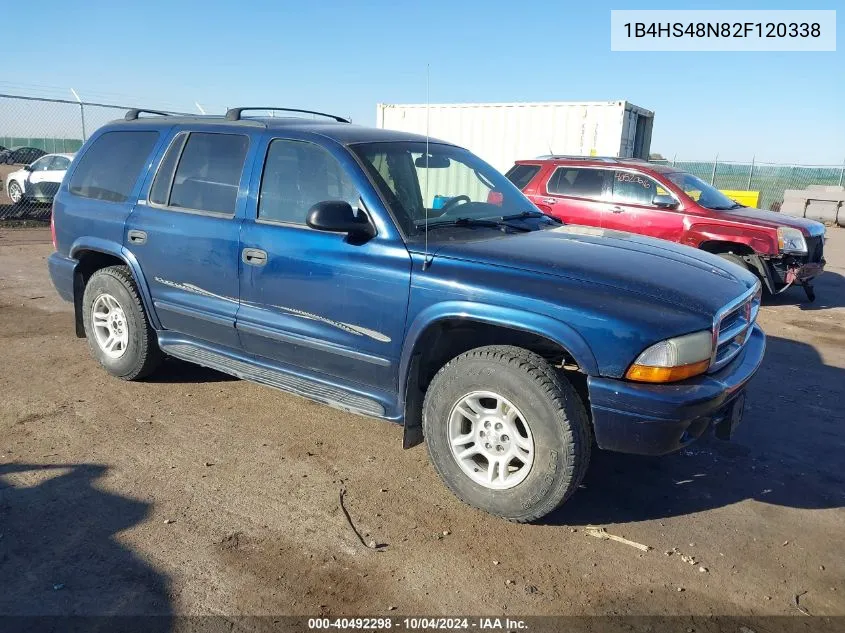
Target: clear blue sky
{"points": [[345, 57]]}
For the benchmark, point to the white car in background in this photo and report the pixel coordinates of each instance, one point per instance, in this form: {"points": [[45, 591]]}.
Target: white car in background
{"points": [[38, 181]]}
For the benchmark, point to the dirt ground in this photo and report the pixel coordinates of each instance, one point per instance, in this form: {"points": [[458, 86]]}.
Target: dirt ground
{"points": [[194, 493]]}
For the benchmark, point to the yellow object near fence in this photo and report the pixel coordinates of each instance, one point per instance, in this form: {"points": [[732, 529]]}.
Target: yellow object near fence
{"points": [[745, 198]]}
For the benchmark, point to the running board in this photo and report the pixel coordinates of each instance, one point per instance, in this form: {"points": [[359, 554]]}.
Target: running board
{"points": [[305, 387]]}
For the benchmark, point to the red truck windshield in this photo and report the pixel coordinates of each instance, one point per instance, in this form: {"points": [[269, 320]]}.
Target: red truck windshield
{"points": [[704, 194]]}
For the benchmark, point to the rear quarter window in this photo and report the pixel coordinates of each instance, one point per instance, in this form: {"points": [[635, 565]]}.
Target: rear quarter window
{"points": [[111, 166], [521, 175]]}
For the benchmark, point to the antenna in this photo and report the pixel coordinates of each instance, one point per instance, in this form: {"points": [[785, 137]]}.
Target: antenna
{"points": [[426, 260], [199, 107]]}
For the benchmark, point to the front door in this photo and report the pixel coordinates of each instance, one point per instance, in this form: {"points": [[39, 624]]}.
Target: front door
{"points": [[632, 207], [45, 182], [184, 233], [319, 301]]}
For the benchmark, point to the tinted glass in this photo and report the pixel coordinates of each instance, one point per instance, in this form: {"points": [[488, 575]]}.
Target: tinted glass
{"points": [[635, 188], [60, 163], [297, 175], [521, 175], [111, 166], [160, 191], [209, 172], [582, 183]]}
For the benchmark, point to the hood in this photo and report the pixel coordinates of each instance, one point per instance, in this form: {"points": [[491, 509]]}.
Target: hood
{"points": [[661, 270], [771, 219]]}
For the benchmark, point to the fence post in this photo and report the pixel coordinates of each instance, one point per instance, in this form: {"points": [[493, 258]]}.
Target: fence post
{"points": [[750, 173], [841, 172], [713, 175], [674, 158], [82, 111]]}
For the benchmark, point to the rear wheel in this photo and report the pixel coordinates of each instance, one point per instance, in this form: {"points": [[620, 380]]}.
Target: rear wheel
{"points": [[116, 326], [506, 432]]}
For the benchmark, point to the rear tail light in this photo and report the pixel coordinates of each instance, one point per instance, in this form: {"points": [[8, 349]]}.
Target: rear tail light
{"points": [[53, 227]]}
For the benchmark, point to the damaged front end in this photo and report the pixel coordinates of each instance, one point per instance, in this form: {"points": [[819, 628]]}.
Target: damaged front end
{"points": [[797, 268]]}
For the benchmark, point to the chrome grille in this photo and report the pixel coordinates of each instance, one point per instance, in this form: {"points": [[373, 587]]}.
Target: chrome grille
{"points": [[732, 327]]}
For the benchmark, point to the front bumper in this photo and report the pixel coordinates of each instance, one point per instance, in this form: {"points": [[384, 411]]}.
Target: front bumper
{"points": [[645, 419]]}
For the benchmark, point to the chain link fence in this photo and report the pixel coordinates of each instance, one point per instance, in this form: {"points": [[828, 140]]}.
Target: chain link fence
{"points": [[32, 127], [770, 179]]}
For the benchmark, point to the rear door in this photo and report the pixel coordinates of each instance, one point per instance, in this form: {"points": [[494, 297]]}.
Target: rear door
{"points": [[319, 301], [576, 195], [184, 232], [632, 207]]}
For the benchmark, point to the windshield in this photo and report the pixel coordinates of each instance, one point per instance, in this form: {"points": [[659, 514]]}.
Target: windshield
{"points": [[448, 184], [706, 195]]}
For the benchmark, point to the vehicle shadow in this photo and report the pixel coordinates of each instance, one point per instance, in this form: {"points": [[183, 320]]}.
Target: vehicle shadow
{"points": [[830, 293], [59, 554], [787, 452], [174, 370]]}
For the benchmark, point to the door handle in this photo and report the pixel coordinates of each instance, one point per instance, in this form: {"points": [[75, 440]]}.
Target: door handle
{"points": [[617, 209], [549, 200], [137, 237], [254, 256]]}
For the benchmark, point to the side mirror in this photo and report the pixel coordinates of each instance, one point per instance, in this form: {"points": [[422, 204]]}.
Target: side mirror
{"points": [[27, 167], [337, 216], [665, 202]]}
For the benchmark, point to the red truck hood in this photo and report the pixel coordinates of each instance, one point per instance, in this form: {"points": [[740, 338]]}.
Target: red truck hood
{"points": [[770, 219]]}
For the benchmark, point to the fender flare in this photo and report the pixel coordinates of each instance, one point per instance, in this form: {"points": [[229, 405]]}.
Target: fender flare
{"points": [[514, 319], [760, 241], [114, 249]]}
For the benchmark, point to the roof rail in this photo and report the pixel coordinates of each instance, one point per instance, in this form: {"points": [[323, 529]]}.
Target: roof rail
{"points": [[134, 112], [234, 114], [601, 159]]}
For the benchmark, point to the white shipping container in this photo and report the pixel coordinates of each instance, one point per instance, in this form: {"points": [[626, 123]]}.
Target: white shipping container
{"points": [[501, 133]]}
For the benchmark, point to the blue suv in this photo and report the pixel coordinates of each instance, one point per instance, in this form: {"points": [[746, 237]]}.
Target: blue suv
{"points": [[403, 278]]}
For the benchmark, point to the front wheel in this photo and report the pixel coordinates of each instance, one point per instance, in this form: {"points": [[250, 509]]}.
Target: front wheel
{"points": [[15, 193], [506, 432]]}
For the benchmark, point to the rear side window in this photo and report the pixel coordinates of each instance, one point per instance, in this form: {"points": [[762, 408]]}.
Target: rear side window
{"points": [[208, 173], [521, 175], [297, 175], [111, 166], [635, 188], [580, 183]]}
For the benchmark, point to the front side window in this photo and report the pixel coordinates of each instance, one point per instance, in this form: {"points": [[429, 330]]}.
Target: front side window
{"points": [[111, 166], [444, 185], [209, 172], [633, 188], [297, 175], [42, 164], [577, 182], [703, 193]]}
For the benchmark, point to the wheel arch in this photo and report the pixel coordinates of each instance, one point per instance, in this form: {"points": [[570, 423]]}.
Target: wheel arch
{"points": [[445, 331], [91, 255]]}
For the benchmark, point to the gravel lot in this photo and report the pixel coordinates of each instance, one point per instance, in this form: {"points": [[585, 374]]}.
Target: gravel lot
{"points": [[194, 493]]}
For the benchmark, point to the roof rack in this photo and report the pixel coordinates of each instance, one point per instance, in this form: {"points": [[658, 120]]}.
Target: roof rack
{"points": [[234, 114], [601, 159], [134, 112]]}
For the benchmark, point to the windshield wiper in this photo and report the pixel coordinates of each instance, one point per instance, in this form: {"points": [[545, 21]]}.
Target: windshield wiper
{"points": [[531, 214], [476, 222]]}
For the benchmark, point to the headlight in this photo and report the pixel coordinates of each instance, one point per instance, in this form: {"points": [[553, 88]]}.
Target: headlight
{"points": [[791, 241], [674, 359]]}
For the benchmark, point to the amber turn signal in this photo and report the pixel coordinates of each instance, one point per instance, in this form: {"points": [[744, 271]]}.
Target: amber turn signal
{"points": [[644, 373]]}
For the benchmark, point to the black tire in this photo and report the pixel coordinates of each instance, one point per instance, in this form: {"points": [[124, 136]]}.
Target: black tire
{"points": [[735, 259], [552, 409], [142, 354]]}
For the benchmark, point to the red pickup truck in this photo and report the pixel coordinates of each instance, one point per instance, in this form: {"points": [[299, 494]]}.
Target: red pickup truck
{"points": [[660, 201]]}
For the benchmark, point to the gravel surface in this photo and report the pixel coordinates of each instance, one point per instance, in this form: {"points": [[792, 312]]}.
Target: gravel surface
{"points": [[194, 493]]}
